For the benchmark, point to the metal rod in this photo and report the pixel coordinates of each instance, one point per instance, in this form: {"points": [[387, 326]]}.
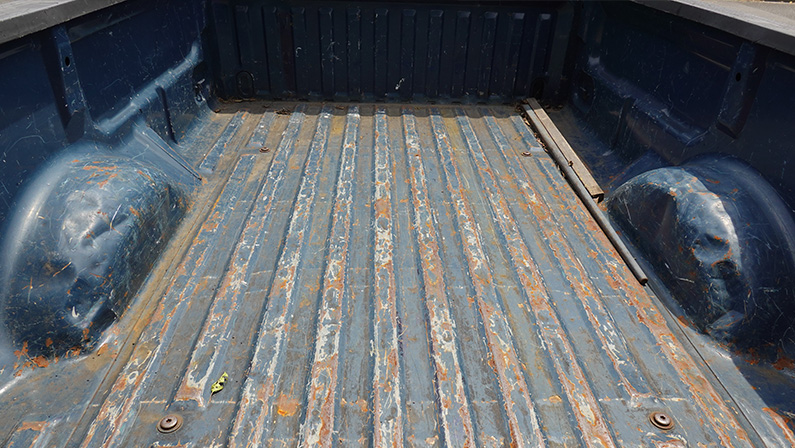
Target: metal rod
{"points": [[585, 197]]}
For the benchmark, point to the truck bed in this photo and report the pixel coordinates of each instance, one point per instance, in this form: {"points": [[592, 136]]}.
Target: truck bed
{"points": [[389, 275]]}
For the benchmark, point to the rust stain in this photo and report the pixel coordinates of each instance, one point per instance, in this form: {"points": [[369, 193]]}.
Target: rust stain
{"points": [[388, 413], [147, 176], [40, 361], [102, 183], [518, 409], [100, 169], [453, 403], [783, 425], [784, 362], [32, 426], [23, 351], [318, 424], [287, 406]]}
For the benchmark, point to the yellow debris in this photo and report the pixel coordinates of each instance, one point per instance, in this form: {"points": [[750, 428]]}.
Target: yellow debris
{"points": [[219, 385]]}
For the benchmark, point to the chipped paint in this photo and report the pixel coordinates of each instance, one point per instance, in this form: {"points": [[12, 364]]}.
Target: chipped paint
{"points": [[120, 408], [387, 398], [453, 405], [571, 375], [318, 426], [703, 394], [313, 401], [519, 408], [252, 422], [215, 336], [602, 323]]}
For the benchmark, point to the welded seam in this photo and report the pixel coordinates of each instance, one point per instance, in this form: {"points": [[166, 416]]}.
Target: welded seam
{"points": [[453, 405], [214, 339], [571, 375], [214, 154], [606, 331], [120, 408], [317, 428], [519, 408], [704, 394], [253, 420], [387, 400]]}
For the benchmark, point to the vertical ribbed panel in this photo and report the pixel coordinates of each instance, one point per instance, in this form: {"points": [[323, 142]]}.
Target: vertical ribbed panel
{"points": [[393, 51], [390, 275]]}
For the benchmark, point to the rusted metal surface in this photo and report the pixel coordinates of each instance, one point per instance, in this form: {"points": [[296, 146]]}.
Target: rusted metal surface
{"points": [[318, 426], [119, 410], [570, 373], [604, 327], [453, 405], [387, 397], [215, 336], [402, 276], [32, 434], [519, 408], [251, 424], [703, 393], [217, 150]]}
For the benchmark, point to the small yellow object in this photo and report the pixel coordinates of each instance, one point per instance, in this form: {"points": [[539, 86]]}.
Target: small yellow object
{"points": [[219, 385]]}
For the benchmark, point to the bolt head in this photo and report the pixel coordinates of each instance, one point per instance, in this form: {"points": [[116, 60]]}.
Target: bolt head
{"points": [[661, 420], [169, 423]]}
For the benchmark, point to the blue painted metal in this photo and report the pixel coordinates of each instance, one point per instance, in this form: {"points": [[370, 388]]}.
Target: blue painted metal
{"points": [[91, 189], [385, 274], [390, 50], [722, 239], [501, 316], [682, 113]]}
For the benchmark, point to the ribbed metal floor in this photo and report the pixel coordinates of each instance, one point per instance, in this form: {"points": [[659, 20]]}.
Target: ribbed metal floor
{"points": [[390, 275]]}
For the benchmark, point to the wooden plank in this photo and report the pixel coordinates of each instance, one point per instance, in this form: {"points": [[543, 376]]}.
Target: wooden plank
{"points": [[575, 163]]}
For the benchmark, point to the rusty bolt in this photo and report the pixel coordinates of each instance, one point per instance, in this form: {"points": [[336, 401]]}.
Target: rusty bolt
{"points": [[169, 423], [264, 149], [527, 153], [661, 420]]}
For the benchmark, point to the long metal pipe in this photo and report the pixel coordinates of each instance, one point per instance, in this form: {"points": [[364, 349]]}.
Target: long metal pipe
{"points": [[585, 197]]}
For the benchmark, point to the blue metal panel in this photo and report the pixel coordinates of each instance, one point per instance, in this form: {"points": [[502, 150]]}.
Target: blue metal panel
{"points": [[399, 51], [92, 189], [395, 273]]}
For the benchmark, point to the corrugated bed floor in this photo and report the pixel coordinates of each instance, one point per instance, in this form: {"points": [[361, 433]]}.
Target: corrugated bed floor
{"points": [[401, 275]]}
